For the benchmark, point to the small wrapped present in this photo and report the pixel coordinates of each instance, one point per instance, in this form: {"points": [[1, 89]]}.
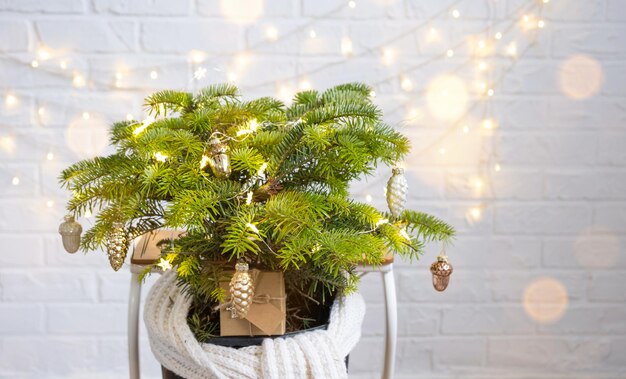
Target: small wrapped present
{"points": [[266, 315]]}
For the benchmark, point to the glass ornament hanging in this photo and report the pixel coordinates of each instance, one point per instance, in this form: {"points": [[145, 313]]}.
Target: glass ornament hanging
{"points": [[397, 188], [241, 291], [116, 241], [441, 270], [218, 158], [70, 231]]}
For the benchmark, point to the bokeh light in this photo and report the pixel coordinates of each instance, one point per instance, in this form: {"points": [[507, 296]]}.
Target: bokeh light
{"points": [[87, 138], [545, 300], [447, 97], [580, 77], [242, 11]]}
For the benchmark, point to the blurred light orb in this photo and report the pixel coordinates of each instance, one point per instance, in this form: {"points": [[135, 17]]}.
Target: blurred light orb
{"points": [[545, 300], [447, 97], [242, 11], [580, 77], [87, 138]]}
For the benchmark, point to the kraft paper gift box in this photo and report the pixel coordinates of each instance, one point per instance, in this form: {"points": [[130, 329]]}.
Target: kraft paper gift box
{"points": [[266, 316]]}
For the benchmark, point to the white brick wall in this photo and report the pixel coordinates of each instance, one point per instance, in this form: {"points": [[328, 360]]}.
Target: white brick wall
{"points": [[556, 210]]}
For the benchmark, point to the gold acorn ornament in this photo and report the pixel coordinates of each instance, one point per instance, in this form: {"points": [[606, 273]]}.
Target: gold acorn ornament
{"points": [[241, 291], [218, 158], [117, 243], [397, 187], [441, 270], [70, 231]]}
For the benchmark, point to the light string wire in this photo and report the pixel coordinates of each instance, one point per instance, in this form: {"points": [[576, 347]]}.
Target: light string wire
{"points": [[363, 53]]}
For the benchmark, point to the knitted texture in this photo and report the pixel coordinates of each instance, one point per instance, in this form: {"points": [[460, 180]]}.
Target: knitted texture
{"points": [[315, 354]]}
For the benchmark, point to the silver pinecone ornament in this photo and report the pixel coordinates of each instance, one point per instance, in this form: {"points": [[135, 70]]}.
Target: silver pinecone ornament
{"points": [[397, 187], [116, 242], [70, 231], [241, 291]]}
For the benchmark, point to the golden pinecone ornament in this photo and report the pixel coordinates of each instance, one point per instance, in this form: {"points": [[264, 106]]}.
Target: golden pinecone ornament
{"points": [[397, 187], [116, 242], [218, 159], [70, 231], [241, 291], [441, 271]]}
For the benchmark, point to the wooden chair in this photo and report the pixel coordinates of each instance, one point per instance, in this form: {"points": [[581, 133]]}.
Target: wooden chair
{"points": [[145, 253]]}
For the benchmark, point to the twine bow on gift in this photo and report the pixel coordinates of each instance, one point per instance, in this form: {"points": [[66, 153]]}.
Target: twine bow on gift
{"points": [[262, 313]]}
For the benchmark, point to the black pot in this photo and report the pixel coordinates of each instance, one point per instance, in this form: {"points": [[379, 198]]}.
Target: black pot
{"points": [[243, 341]]}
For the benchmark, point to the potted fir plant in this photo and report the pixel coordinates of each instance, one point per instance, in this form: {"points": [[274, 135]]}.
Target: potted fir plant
{"points": [[260, 190]]}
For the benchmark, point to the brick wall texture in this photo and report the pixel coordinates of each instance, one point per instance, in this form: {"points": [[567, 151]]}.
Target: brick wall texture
{"points": [[539, 200]]}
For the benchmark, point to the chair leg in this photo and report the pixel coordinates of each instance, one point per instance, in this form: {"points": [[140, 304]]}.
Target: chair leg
{"points": [[133, 325], [391, 322]]}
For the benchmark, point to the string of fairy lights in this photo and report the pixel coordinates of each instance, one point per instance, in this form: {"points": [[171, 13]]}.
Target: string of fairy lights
{"points": [[485, 49]]}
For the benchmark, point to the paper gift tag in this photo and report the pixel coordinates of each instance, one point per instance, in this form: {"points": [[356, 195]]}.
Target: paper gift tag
{"points": [[265, 317]]}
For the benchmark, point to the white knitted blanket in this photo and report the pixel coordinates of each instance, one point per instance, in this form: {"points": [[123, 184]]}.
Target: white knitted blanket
{"points": [[316, 354]]}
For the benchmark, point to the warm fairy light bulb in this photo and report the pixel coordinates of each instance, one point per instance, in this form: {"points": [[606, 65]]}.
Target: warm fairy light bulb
{"points": [[490, 92], [482, 44], [50, 156], [368, 198], [231, 76], [450, 53], [465, 129], [63, 65], [41, 111], [312, 33], [482, 66], [159, 156], [78, 80], [541, 24], [498, 36], [475, 213], [147, 122], [488, 124], [511, 49], [253, 228], [432, 34], [382, 221], [261, 171], [15, 181], [526, 18], [305, 85], [86, 115], [271, 33], [154, 74], [455, 13], [50, 203], [389, 56], [346, 46], [546, 1], [497, 167], [197, 56], [406, 84], [352, 4], [477, 183], [10, 100], [43, 53], [442, 150], [129, 117], [372, 93], [34, 64], [118, 75]]}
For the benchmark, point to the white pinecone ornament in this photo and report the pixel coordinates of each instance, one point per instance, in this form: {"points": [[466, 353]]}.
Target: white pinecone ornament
{"points": [[117, 245], [397, 188], [241, 291]]}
